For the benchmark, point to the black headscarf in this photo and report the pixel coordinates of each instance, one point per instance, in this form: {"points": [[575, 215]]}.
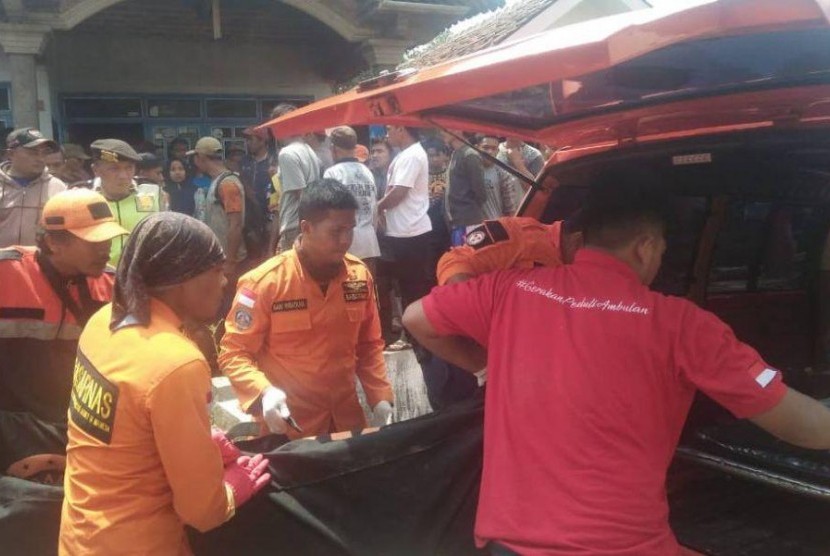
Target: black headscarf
{"points": [[164, 249]]}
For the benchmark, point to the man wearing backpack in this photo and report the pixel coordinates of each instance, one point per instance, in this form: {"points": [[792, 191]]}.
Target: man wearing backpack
{"points": [[224, 210]]}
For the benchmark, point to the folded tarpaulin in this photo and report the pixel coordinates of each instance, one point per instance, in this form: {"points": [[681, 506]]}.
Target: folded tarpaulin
{"points": [[30, 516], [410, 488]]}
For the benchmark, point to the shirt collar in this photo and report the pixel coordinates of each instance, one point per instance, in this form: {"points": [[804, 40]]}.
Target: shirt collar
{"points": [[590, 256], [160, 311]]}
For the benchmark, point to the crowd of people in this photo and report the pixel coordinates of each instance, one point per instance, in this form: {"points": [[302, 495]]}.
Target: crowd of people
{"points": [[117, 266], [128, 278]]}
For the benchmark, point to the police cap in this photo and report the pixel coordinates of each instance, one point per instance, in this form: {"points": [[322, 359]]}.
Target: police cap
{"points": [[113, 150]]}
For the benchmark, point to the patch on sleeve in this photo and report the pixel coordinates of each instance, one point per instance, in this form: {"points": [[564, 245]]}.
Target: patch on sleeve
{"points": [[10, 255], [289, 305], [93, 401], [356, 290], [488, 233], [242, 319], [246, 298], [144, 202], [765, 377]]}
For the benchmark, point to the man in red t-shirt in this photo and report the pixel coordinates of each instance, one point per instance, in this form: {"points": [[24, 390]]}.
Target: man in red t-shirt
{"points": [[590, 378]]}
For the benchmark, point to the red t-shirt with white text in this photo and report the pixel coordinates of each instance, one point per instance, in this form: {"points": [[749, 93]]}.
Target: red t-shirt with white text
{"points": [[590, 378]]}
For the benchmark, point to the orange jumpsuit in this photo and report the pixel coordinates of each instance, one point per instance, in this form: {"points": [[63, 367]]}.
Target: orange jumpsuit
{"points": [[283, 330], [140, 460], [509, 242]]}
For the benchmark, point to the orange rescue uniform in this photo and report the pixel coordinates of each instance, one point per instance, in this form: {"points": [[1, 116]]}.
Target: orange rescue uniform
{"points": [[39, 330], [284, 331], [507, 243], [140, 460]]}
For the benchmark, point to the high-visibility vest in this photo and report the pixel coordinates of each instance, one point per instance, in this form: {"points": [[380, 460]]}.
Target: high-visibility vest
{"points": [[41, 316]]}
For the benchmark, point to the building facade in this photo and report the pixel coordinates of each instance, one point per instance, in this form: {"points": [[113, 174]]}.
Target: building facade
{"points": [[157, 69]]}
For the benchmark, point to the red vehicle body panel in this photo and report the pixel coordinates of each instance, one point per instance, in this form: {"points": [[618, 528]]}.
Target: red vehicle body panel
{"points": [[574, 51]]}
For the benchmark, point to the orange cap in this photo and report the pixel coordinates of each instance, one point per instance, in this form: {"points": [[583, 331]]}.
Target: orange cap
{"points": [[82, 212]]}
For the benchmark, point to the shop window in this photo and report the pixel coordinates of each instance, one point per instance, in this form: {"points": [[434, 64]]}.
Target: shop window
{"points": [[269, 104], [5, 100], [174, 108], [102, 108], [231, 108]]}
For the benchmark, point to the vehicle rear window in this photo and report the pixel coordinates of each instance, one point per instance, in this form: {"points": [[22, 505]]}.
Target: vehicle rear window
{"points": [[721, 65]]}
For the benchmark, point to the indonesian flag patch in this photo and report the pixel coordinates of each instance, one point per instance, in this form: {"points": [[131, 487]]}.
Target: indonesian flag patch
{"points": [[765, 377], [246, 298]]}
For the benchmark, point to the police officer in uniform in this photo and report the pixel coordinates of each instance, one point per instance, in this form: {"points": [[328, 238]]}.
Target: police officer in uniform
{"points": [[48, 293], [114, 165]]}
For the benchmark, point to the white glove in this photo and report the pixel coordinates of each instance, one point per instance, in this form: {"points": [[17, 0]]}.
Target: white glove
{"points": [[381, 414], [275, 410], [481, 376]]}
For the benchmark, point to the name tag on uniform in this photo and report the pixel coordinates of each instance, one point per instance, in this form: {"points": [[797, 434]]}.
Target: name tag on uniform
{"points": [[356, 290], [144, 202], [289, 305], [93, 401]]}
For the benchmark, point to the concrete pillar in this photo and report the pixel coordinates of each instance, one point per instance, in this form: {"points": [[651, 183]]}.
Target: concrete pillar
{"points": [[23, 43], [24, 90], [44, 100]]}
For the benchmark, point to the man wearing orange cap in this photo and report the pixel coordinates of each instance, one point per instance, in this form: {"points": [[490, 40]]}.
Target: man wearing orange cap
{"points": [[48, 294]]}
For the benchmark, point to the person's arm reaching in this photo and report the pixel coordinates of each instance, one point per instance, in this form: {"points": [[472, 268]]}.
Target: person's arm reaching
{"points": [[458, 350], [734, 375], [245, 330], [509, 242], [799, 420], [454, 321]]}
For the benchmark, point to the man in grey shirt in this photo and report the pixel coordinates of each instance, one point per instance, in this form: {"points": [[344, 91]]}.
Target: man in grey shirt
{"points": [[504, 193], [466, 194], [521, 156], [298, 167]]}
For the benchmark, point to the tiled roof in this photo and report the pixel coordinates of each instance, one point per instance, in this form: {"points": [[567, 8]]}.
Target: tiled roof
{"points": [[483, 30]]}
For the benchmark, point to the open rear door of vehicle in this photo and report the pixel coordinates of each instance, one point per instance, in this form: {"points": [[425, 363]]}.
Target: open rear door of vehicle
{"points": [[529, 88]]}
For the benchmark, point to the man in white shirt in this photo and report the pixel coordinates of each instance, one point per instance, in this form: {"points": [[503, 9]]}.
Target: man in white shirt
{"points": [[403, 212], [358, 179]]}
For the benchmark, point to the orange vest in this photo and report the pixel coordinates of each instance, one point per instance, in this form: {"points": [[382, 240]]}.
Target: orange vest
{"points": [[283, 330], [39, 330], [509, 242], [140, 460]]}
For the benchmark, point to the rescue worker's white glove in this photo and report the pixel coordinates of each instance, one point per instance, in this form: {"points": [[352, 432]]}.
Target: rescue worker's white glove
{"points": [[275, 410], [481, 376], [381, 414]]}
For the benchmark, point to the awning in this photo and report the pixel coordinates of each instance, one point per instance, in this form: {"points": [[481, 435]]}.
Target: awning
{"points": [[553, 57]]}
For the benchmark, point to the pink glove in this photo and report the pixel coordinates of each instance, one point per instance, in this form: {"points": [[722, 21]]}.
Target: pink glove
{"points": [[246, 476], [230, 453]]}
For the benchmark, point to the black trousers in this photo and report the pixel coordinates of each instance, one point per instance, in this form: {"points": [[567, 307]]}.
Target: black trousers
{"points": [[413, 265]]}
